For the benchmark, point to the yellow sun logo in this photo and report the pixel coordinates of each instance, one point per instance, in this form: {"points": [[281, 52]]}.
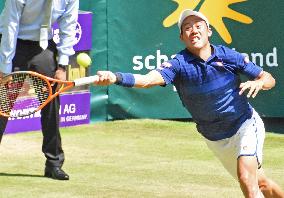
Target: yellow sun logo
{"points": [[214, 10]]}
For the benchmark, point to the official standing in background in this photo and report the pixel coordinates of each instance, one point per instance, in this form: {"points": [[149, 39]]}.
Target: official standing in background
{"points": [[26, 44]]}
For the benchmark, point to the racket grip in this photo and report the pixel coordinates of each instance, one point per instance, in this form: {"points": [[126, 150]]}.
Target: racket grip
{"points": [[85, 81]]}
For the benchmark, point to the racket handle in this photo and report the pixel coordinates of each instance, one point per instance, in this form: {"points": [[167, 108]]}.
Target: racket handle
{"points": [[86, 80]]}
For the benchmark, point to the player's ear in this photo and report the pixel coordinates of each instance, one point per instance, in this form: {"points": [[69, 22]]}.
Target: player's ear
{"points": [[209, 32], [180, 36]]}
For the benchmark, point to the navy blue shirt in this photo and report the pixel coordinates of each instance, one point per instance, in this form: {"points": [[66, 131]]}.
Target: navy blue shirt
{"points": [[209, 90]]}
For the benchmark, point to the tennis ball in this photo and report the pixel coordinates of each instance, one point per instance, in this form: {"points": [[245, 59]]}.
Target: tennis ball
{"points": [[83, 59]]}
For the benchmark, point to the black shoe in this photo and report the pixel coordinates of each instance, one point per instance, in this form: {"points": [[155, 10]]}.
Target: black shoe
{"points": [[55, 173]]}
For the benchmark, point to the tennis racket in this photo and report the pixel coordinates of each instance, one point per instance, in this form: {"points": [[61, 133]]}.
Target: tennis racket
{"points": [[25, 92]]}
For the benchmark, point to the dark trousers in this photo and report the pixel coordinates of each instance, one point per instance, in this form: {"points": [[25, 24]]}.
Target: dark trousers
{"points": [[30, 56]]}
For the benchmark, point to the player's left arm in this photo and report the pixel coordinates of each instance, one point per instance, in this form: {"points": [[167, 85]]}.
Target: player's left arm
{"points": [[264, 81]]}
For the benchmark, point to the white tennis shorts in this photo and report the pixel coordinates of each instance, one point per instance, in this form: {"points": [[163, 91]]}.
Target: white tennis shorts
{"points": [[248, 141]]}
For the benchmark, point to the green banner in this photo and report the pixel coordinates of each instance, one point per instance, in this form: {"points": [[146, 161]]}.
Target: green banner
{"points": [[142, 34], [99, 55], [2, 4]]}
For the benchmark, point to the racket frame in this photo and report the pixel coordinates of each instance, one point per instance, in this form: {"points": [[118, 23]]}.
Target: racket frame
{"points": [[63, 86]]}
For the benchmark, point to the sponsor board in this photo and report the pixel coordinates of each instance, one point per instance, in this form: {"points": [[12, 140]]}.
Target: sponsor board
{"points": [[74, 110]]}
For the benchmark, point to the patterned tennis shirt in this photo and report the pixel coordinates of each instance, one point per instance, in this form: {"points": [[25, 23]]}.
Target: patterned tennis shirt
{"points": [[209, 90]]}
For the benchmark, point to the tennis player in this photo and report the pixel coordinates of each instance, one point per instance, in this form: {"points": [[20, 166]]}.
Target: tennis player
{"points": [[207, 79], [24, 47]]}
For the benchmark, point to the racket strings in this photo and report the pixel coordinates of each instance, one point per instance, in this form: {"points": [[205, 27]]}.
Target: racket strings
{"points": [[21, 94]]}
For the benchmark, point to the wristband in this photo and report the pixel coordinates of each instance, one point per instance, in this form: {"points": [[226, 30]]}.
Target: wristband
{"points": [[125, 79]]}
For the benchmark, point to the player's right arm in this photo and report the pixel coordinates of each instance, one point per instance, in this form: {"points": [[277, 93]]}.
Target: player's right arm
{"points": [[153, 78]]}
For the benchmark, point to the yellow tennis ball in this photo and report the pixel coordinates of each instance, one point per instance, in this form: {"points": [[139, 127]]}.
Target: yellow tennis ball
{"points": [[84, 60]]}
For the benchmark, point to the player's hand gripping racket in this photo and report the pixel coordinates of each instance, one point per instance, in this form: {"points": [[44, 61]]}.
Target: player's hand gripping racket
{"points": [[25, 92]]}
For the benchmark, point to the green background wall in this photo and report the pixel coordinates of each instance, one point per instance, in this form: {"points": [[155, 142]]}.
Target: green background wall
{"points": [[136, 28], [146, 31]]}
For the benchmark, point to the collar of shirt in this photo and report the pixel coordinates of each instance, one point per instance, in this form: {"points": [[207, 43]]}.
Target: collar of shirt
{"points": [[215, 56]]}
